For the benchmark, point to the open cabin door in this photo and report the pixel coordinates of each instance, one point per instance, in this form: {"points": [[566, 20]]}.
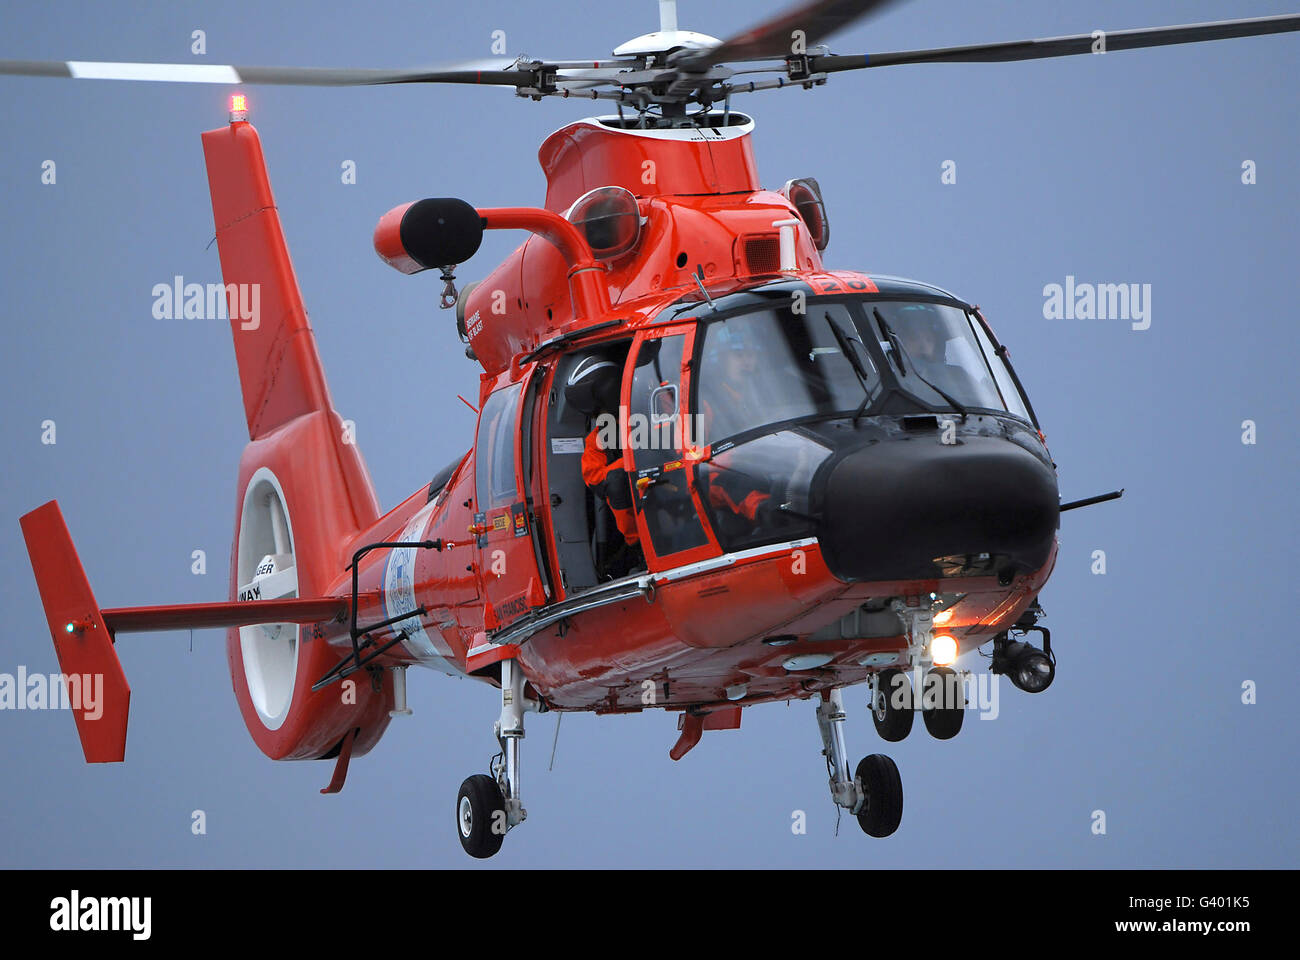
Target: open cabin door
{"points": [[511, 574]]}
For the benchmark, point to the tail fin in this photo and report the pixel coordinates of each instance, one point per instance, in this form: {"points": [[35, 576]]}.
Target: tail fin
{"points": [[279, 369], [303, 491], [280, 372]]}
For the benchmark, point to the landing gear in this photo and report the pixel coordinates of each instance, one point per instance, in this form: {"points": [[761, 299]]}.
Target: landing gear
{"points": [[891, 705], [943, 704], [882, 803], [489, 806], [875, 793], [943, 695], [480, 816]]}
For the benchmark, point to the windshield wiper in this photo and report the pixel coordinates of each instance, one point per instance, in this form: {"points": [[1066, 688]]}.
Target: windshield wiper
{"points": [[899, 352], [895, 348], [856, 363]]}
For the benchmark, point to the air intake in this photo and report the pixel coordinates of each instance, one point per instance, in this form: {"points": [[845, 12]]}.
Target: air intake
{"points": [[760, 253]]}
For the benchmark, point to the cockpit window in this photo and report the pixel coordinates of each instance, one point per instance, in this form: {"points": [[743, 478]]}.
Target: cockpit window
{"points": [[1006, 383], [777, 364], [935, 355]]}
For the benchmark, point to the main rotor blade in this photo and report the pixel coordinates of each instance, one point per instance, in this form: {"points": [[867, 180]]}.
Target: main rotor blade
{"points": [[817, 20], [1063, 46], [496, 75]]}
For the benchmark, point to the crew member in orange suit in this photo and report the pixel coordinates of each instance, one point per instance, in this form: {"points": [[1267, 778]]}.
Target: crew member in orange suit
{"points": [[594, 385], [602, 471]]}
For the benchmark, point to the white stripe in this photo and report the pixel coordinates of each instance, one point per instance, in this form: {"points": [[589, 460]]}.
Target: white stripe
{"points": [[727, 559], [171, 72], [399, 597]]}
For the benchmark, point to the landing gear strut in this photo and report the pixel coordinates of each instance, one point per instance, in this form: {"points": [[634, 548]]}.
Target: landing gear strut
{"points": [[942, 693], [874, 794], [489, 806]]}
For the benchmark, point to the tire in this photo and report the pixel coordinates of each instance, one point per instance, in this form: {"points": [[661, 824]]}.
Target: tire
{"points": [[882, 807], [480, 806], [891, 710], [943, 719]]}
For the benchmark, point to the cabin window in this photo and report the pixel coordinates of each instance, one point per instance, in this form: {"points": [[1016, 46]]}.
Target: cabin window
{"points": [[498, 441]]}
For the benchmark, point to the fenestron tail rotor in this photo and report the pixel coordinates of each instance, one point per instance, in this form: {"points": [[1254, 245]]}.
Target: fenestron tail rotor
{"points": [[672, 68]]}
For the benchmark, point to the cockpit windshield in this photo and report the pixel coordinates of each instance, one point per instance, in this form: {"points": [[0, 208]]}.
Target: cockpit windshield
{"points": [[778, 364], [936, 356], [817, 358]]}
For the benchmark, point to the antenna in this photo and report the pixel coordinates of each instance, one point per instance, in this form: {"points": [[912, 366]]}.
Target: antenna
{"points": [[667, 16]]}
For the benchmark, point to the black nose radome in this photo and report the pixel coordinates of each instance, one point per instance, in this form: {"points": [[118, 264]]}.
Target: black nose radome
{"points": [[920, 509]]}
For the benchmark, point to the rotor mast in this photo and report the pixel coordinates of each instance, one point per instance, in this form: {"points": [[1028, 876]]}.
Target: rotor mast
{"points": [[667, 16]]}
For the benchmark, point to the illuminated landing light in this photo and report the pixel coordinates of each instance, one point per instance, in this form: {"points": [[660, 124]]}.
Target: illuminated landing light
{"points": [[943, 650], [70, 627], [806, 661], [942, 617], [238, 107]]}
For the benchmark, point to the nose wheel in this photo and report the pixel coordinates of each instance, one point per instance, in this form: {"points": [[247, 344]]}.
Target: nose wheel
{"points": [[891, 705], [943, 705]]}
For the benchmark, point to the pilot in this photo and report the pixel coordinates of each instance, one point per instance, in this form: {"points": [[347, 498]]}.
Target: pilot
{"points": [[729, 404], [594, 385], [925, 337], [729, 401]]}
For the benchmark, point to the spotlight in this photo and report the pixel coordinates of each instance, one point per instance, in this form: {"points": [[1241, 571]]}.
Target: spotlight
{"points": [[1033, 672], [1030, 669]]}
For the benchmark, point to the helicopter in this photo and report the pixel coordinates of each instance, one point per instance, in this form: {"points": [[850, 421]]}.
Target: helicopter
{"points": [[811, 478]]}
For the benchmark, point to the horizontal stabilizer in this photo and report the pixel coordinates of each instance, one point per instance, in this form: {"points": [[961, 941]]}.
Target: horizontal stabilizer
{"points": [[235, 613]]}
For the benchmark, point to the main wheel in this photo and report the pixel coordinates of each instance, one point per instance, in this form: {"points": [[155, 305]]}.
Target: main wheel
{"points": [[882, 807], [480, 816], [891, 709], [943, 706]]}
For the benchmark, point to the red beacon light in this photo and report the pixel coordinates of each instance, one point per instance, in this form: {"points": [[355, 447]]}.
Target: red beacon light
{"points": [[806, 195], [238, 107], [609, 220]]}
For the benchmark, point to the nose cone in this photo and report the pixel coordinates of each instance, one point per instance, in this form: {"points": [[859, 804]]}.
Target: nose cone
{"points": [[920, 509]]}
